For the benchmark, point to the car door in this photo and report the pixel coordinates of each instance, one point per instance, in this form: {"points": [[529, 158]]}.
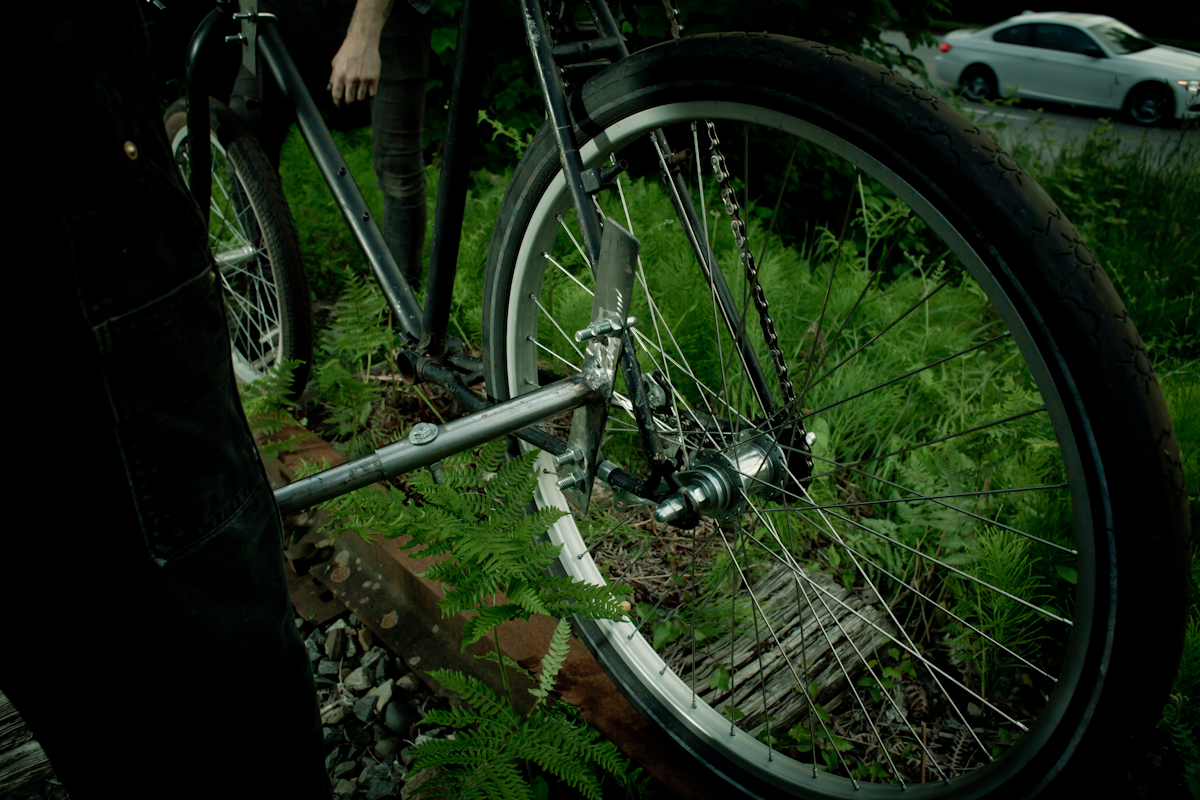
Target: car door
{"points": [[1071, 67], [1011, 55]]}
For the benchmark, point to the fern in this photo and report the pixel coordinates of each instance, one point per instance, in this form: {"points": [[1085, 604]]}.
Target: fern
{"points": [[267, 408], [493, 746], [478, 519], [495, 555], [357, 340]]}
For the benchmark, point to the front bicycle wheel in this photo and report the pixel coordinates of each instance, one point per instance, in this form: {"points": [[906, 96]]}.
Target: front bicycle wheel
{"points": [[924, 463], [255, 244]]}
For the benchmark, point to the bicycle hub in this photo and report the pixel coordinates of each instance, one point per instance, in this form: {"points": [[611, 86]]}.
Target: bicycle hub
{"points": [[721, 482]]}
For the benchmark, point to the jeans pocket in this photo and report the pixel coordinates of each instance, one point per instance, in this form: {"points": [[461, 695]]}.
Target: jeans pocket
{"points": [[189, 456]]}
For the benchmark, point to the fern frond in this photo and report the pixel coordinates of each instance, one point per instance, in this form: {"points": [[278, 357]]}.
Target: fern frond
{"points": [[556, 654]]}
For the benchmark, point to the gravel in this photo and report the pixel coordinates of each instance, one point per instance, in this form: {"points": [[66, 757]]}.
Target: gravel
{"points": [[371, 703]]}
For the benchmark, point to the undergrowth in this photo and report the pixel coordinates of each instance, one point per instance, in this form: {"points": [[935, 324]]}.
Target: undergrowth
{"points": [[1138, 216]]}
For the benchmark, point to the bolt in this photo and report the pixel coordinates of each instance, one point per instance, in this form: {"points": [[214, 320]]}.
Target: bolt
{"points": [[602, 328], [423, 433], [573, 455], [236, 38], [341, 170], [810, 437], [366, 215], [571, 480]]}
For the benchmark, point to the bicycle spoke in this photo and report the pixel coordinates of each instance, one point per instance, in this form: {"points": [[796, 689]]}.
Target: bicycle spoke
{"points": [[909, 374]]}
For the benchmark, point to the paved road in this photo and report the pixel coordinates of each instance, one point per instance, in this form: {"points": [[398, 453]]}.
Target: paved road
{"points": [[1049, 126]]}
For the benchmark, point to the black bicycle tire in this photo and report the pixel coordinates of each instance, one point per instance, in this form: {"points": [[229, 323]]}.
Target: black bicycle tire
{"points": [[281, 239], [1098, 359]]}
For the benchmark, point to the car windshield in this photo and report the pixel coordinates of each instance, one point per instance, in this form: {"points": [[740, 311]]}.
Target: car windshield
{"points": [[1121, 38]]}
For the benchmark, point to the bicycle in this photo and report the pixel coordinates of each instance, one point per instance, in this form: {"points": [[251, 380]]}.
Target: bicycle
{"points": [[918, 477]]}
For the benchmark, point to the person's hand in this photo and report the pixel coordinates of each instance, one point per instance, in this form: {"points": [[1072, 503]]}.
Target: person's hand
{"points": [[355, 73]]}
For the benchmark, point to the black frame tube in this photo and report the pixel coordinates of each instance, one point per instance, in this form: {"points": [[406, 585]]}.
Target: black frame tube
{"points": [[453, 182], [560, 120], [196, 71], [345, 191]]}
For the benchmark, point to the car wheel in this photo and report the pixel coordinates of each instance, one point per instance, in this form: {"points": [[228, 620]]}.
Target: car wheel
{"points": [[1149, 104], [978, 83]]}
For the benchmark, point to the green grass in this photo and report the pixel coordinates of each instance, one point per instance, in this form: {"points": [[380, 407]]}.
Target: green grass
{"points": [[1140, 220]]}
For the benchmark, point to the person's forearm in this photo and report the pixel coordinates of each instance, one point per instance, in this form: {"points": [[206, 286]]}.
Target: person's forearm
{"points": [[368, 19]]}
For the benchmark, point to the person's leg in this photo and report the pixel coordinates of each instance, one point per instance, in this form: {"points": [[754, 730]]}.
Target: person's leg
{"points": [[398, 124], [152, 649]]}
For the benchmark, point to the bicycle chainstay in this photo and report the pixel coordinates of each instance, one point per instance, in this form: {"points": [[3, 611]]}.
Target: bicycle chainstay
{"points": [[729, 197]]}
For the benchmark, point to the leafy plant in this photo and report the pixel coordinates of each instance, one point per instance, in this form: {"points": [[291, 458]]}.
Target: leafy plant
{"points": [[488, 757], [268, 409], [477, 518]]}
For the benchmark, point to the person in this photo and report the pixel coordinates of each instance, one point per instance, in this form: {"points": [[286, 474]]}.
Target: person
{"points": [[150, 644], [383, 60]]}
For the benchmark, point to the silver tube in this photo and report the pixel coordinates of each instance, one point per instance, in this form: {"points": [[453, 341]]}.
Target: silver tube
{"points": [[453, 437]]}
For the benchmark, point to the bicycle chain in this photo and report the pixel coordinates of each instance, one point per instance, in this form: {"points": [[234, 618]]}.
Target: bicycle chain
{"points": [[729, 197]]}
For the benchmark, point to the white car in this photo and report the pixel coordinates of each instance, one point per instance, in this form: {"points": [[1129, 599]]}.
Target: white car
{"points": [[1083, 59]]}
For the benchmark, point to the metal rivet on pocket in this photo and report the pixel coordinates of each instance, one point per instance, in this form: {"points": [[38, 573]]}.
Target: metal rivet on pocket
{"points": [[131, 151]]}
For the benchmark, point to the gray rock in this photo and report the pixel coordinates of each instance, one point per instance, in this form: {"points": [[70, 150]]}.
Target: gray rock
{"points": [[381, 787], [333, 716], [382, 694], [408, 683], [357, 680], [399, 718], [351, 647], [317, 637], [335, 643], [373, 655], [364, 707], [354, 619], [331, 759], [327, 667], [371, 772], [386, 746], [337, 625], [332, 736], [380, 670], [345, 788], [408, 755], [310, 647], [344, 767]]}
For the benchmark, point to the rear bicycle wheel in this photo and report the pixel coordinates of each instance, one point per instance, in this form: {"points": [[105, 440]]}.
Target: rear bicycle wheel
{"points": [[255, 244], [932, 606]]}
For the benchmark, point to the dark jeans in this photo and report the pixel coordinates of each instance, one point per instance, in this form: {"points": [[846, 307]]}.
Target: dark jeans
{"points": [[313, 31], [145, 545]]}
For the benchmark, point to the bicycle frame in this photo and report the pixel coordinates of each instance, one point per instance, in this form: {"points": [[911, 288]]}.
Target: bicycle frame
{"points": [[432, 356]]}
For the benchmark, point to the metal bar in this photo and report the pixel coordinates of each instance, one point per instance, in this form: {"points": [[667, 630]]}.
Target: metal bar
{"points": [[426, 369], [345, 191], [453, 437], [606, 27], [453, 181], [560, 119], [199, 56]]}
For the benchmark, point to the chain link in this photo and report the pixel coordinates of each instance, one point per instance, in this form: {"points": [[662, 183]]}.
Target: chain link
{"points": [[673, 18], [729, 197]]}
